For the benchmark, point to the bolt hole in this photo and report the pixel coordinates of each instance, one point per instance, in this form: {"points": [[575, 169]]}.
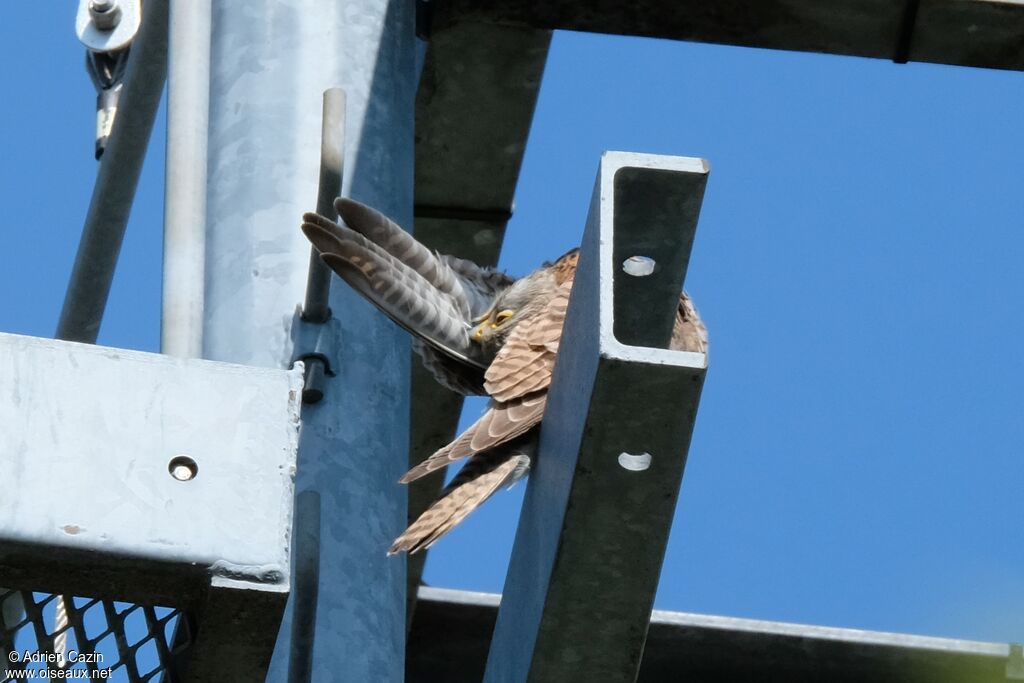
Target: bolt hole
{"points": [[639, 266], [635, 463], [183, 468]]}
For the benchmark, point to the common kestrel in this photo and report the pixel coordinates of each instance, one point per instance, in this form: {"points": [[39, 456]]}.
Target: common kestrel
{"points": [[478, 331]]}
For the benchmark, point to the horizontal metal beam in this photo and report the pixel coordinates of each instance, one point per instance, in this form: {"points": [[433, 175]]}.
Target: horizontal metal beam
{"points": [[600, 500], [144, 478], [452, 629], [983, 33], [118, 175]]}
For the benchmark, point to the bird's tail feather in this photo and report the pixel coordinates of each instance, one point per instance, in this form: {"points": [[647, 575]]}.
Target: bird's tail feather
{"points": [[392, 286], [482, 475], [387, 234], [500, 425]]}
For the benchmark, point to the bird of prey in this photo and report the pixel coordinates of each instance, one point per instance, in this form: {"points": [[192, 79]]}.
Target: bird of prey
{"points": [[478, 331]]}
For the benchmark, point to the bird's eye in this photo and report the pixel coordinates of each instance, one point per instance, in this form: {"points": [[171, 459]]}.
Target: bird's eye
{"points": [[502, 316]]}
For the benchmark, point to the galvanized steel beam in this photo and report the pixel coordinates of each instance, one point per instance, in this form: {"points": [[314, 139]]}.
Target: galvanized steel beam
{"points": [[449, 638], [617, 426], [984, 33], [271, 62]]}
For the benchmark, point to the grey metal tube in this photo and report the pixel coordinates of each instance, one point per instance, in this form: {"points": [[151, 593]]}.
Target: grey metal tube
{"points": [[118, 175], [332, 161], [188, 107], [316, 308], [266, 106]]}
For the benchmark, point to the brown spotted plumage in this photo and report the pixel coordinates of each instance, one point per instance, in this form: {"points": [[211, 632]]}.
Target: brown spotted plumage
{"points": [[478, 331]]}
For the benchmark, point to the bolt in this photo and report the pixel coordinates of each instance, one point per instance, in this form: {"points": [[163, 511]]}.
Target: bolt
{"points": [[105, 14]]}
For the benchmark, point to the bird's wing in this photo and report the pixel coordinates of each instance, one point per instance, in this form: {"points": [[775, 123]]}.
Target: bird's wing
{"points": [[517, 381], [420, 293]]}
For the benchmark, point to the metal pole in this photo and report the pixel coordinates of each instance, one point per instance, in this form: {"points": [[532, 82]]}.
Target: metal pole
{"points": [[118, 175], [188, 106], [271, 61], [316, 309], [332, 159]]}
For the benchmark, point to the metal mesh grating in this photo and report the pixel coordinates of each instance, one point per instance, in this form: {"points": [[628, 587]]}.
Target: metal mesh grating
{"points": [[46, 636]]}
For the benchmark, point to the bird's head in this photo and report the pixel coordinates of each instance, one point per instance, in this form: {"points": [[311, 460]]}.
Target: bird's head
{"points": [[522, 300]]}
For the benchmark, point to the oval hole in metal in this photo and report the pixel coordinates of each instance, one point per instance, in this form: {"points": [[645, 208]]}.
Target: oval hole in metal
{"points": [[639, 266], [635, 463]]}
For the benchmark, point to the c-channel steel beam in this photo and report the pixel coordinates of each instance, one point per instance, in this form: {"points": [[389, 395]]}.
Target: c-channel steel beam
{"points": [[118, 175], [597, 513]]}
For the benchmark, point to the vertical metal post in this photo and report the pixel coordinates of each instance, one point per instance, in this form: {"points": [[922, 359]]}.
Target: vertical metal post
{"points": [[271, 62], [316, 309], [188, 106], [332, 150]]}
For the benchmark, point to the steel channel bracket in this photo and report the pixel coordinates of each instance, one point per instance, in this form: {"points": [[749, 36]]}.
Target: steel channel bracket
{"points": [[595, 521], [140, 477]]}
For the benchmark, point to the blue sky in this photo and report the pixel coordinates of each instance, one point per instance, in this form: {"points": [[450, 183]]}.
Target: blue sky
{"points": [[857, 456]]}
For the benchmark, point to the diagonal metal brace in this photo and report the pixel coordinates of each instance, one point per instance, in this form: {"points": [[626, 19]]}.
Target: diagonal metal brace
{"points": [[621, 409]]}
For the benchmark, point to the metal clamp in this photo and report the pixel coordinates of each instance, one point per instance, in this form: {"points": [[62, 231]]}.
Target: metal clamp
{"points": [[316, 344], [106, 70], [107, 29]]}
